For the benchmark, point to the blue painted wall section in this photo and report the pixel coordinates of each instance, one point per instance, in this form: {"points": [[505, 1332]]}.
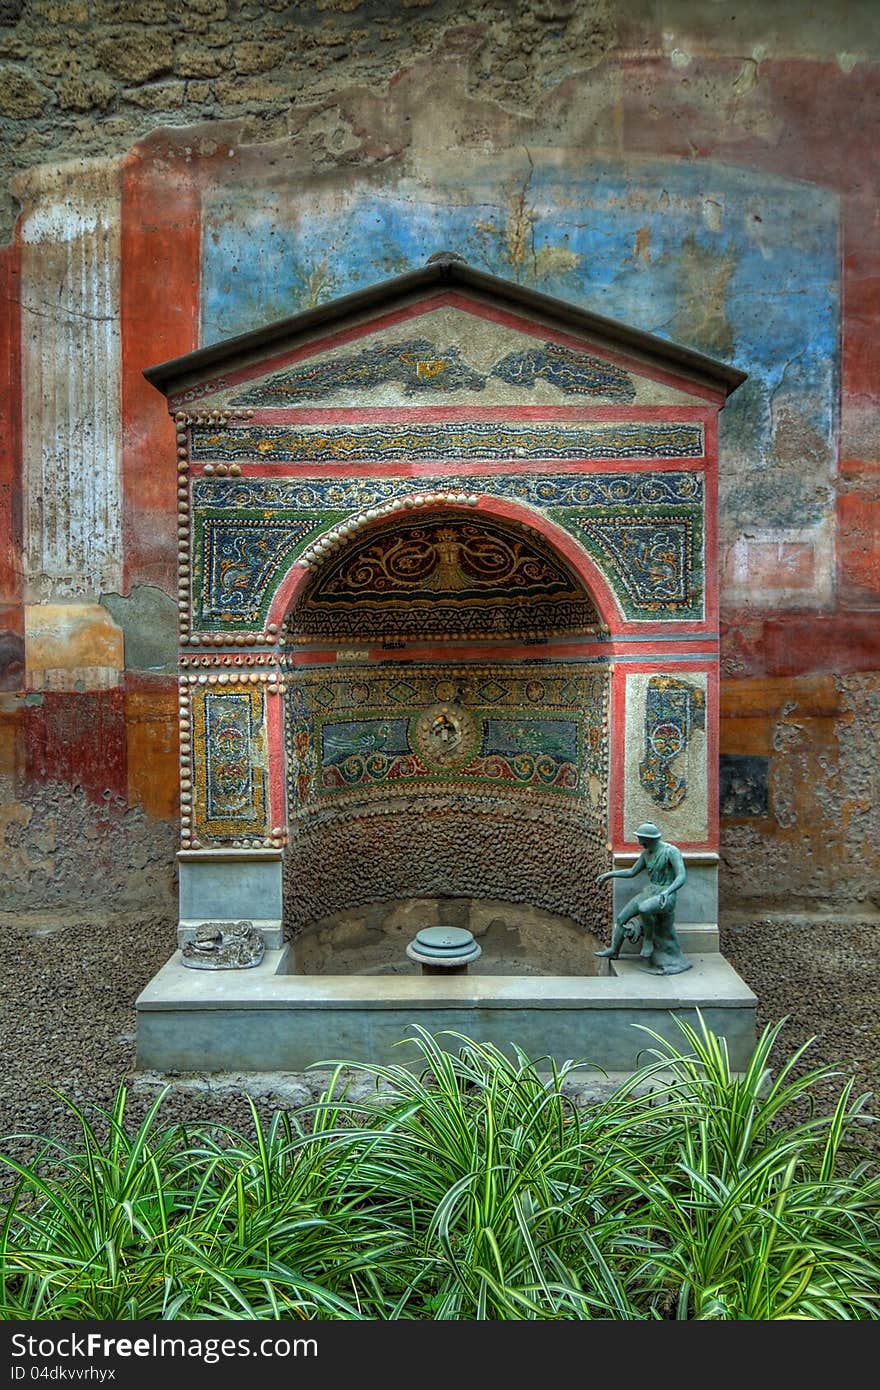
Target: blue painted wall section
{"points": [[736, 263]]}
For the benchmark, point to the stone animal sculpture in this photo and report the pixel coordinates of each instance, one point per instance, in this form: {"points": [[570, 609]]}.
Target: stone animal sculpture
{"points": [[224, 946]]}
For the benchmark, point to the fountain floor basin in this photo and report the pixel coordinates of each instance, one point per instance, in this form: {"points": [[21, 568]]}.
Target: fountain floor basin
{"points": [[267, 1019]]}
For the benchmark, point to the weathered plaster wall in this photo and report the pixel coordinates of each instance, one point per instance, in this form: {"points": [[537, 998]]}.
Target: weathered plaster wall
{"points": [[61, 848], [184, 172]]}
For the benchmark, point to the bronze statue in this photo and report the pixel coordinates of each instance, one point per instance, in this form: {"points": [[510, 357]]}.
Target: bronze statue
{"points": [[655, 910]]}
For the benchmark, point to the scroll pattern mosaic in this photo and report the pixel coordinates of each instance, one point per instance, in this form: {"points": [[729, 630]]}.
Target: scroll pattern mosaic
{"points": [[444, 577], [237, 559], [356, 443], [421, 368], [656, 560], [673, 709], [653, 560], [533, 731], [538, 489], [230, 762]]}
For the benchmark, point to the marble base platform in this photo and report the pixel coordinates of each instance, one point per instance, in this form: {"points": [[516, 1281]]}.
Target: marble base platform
{"points": [[265, 1019]]}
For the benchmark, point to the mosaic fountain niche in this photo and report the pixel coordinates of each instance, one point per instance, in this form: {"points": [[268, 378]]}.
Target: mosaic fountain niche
{"points": [[449, 632], [457, 788]]}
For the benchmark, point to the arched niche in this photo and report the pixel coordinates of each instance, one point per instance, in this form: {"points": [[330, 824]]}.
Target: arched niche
{"points": [[439, 744]]}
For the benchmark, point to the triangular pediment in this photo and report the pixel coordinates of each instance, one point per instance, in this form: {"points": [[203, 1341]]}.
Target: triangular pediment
{"points": [[445, 336], [452, 356]]}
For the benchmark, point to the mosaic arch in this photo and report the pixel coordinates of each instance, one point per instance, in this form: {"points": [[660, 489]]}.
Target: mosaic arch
{"points": [[410, 777], [512, 520], [641, 535], [450, 574]]}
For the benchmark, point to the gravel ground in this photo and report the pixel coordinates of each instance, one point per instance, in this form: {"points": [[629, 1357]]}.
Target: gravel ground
{"points": [[70, 982]]}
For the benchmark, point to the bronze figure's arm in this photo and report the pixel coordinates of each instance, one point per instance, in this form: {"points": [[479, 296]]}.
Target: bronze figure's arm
{"points": [[624, 873]]}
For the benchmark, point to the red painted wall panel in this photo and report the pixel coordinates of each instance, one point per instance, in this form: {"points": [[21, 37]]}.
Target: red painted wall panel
{"points": [[79, 739], [159, 318], [858, 547]]}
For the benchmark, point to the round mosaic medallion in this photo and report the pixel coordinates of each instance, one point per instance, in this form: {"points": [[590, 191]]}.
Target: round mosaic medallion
{"points": [[444, 734], [667, 739]]}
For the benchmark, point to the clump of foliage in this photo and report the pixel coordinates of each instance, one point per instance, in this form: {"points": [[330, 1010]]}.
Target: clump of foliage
{"points": [[467, 1186]]}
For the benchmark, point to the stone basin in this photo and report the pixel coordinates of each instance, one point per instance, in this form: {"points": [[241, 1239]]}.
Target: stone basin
{"points": [[268, 1019]]}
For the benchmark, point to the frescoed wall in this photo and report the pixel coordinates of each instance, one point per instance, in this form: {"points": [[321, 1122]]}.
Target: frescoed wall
{"points": [[173, 178], [740, 264]]}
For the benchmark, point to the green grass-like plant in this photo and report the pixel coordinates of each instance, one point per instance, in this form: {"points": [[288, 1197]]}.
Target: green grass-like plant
{"points": [[468, 1185]]}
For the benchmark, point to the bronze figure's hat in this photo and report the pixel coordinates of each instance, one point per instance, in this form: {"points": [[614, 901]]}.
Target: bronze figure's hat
{"points": [[648, 831]]}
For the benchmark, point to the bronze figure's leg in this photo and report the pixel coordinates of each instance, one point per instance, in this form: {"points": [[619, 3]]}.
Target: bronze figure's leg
{"points": [[625, 915]]}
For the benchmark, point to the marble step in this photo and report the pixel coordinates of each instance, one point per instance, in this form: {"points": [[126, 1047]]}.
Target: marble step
{"points": [[695, 937]]}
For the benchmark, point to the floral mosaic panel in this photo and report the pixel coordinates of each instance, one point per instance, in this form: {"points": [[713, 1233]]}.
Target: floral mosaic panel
{"points": [[239, 560], [673, 708], [230, 757], [653, 560]]}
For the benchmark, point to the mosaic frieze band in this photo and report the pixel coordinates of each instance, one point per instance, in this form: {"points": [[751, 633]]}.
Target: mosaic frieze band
{"points": [[534, 732], [644, 531], [363, 443], [421, 368], [537, 489]]}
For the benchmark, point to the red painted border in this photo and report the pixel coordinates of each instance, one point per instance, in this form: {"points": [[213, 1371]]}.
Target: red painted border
{"points": [[587, 649], [491, 414], [277, 770], [440, 469], [11, 485], [456, 652], [159, 314]]}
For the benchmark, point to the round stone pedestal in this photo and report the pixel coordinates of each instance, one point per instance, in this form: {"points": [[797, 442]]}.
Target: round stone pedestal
{"points": [[443, 950]]}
